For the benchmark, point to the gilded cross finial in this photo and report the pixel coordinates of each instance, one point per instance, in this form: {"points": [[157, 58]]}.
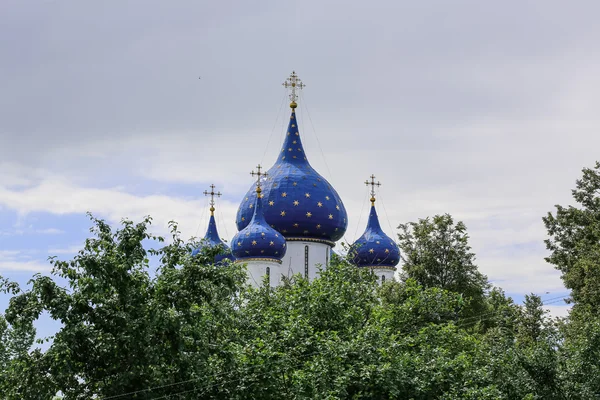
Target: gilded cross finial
{"points": [[212, 195], [372, 183], [258, 175], [293, 83]]}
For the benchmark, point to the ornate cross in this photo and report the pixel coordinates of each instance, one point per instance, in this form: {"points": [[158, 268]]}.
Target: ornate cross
{"points": [[372, 183], [212, 195], [293, 83], [258, 175]]}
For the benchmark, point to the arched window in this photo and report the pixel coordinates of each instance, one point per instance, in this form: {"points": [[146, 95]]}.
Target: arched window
{"points": [[306, 262], [268, 272], [382, 278], [327, 250]]}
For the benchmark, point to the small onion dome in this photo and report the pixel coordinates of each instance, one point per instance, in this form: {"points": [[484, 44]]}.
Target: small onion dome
{"points": [[374, 248], [258, 240], [298, 202], [211, 240]]}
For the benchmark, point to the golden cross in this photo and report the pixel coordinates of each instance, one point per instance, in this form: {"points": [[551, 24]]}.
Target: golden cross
{"points": [[258, 175], [372, 183], [212, 195], [293, 83]]}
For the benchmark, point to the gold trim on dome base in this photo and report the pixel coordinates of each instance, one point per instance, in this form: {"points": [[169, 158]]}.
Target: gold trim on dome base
{"points": [[258, 259], [301, 239], [379, 267]]}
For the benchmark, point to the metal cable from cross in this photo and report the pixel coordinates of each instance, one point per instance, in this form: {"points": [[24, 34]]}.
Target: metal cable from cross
{"points": [[212, 195], [372, 183]]}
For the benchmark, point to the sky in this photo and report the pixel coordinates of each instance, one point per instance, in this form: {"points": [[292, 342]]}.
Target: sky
{"points": [[484, 110]]}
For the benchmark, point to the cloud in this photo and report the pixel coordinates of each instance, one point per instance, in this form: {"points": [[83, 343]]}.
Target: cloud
{"points": [[558, 310], [74, 249], [17, 260], [49, 231], [466, 108]]}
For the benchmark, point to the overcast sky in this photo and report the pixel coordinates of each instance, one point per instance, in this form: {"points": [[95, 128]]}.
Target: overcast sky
{"points": [[485, 110]]}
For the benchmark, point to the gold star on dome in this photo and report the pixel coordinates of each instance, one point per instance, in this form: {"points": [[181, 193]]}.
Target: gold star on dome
{"points": [[319, 204], [326, 197], [271, 243], [284, 194], [290, 149], [243, 219], [308, 214], [262, 251], [262, 234], [305, 232], [294, 142], [276, 235], [271, 203], [337, 207], [371, 251], [295, 183], [377, 242], [246, 199], [283, 245], [296, 202], [239, 243], [293, 126], [307, 195], [247, 234], [319, 226], [282, 213], [251, 205], [299, 149], [387, 250], [254, 243], [295, 225], [330, 216]]}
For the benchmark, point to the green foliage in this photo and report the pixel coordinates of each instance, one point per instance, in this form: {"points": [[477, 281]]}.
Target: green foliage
{"points": [[574, 240], [187, 329], [436, 253]]}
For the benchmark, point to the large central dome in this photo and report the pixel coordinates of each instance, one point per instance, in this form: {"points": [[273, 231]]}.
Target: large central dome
{"points": [[297, 201]]}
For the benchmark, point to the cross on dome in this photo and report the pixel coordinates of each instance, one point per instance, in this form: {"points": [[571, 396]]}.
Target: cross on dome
{"points": [[212, 195], [372, 183], [293, 83], [258, 175]]}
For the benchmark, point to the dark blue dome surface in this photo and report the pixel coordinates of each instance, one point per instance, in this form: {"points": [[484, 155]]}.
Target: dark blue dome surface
{"points": [[258, 240], [298, 202], [211, 240], [374, 248]]}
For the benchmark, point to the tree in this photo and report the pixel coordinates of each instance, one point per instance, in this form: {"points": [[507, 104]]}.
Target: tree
{"points": [[436, 253], [190, 329], [574, 240], [124, 330]]}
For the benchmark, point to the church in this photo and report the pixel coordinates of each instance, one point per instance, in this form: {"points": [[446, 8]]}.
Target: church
{"points": [[291, 218]]}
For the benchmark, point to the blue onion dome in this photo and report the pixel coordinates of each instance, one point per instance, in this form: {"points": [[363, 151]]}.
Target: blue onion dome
{"points": [[298, 202], [212, 240], [374, 248], [257, 240]]}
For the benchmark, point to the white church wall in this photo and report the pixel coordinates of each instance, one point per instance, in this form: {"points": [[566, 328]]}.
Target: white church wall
{"points": [[384, 274], [257, 269], [295, 260]]}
